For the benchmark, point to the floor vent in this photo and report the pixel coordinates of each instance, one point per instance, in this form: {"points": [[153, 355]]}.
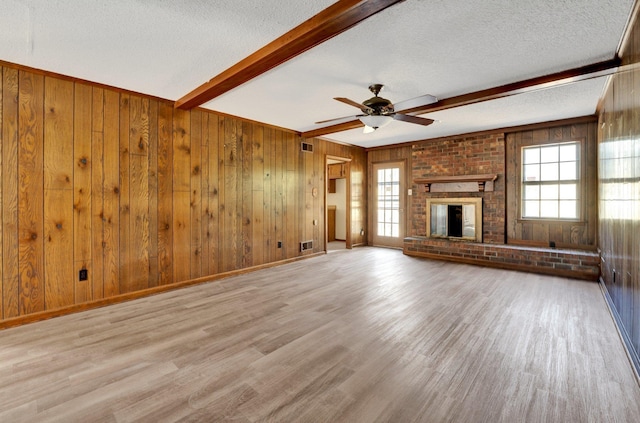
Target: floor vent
{"points": [[307, 147], [306, 245]]}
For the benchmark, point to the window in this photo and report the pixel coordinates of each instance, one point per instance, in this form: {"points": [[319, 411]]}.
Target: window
{"points": [[551, 181]]}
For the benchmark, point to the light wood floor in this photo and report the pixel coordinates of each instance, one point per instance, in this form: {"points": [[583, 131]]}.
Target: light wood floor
{"points": [[366, 335]]}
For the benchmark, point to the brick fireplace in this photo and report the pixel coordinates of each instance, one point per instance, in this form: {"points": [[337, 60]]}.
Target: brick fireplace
{"points": [[462, 163], [478, 155]]}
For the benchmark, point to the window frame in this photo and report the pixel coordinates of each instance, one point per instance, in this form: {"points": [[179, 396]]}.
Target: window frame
{"points": [[580, 181]]}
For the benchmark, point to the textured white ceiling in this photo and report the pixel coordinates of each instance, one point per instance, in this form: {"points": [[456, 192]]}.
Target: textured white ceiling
{"points": [[444, 48]]}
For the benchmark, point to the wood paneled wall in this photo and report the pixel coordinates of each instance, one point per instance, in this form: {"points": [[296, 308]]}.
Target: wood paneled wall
{"points": [[619, 191], [142, 195], [582, 234]]}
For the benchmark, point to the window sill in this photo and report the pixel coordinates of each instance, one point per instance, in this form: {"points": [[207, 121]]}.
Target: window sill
{"points": [[551, 220]]}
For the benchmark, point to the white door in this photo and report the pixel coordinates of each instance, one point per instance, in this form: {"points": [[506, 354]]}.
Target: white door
{"points": [[389, 203]]}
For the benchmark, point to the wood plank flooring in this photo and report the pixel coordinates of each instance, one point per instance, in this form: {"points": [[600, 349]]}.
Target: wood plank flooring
{"points": [[362, 335]]}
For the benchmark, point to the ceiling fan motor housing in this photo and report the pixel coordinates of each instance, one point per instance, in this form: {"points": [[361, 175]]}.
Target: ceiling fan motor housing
{"points": [[379, 106]]}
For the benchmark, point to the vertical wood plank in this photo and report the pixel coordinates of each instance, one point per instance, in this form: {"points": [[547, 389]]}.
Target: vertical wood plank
{"points": [[10, 265], [181, 195], [541, 232], [139, 126], [153, 194], [30, 192], [111, 217], [58, 193], [213, 183], [125, 202], [138, 194], [181, 151], [196, 194], [237, 198], [230, 227], [165, 193], [247, 195], [58, 134], [181, 238], [222, 212], [257, 186], [292, 149], [139, 223], [258, 229], [205, 228], [82, 159], [59, 274], [96, 275], [267, 194], [277, 198]]}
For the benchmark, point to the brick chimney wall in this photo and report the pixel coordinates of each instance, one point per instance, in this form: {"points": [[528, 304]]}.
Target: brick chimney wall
{"points": [[473, 155]]}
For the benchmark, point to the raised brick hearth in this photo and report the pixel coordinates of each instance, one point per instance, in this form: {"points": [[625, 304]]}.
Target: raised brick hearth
{"points": [[570, 263]]}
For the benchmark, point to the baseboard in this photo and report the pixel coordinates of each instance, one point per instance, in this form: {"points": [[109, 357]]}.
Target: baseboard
{"points": [[632, 354], [77, 308]]}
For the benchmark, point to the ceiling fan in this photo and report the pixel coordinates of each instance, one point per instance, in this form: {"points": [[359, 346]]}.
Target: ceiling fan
{"points": [[379, 112]]}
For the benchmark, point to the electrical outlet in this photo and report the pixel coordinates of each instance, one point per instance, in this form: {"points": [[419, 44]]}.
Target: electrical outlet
{"points": [[409, 191], [83, 275], [279, 244]]}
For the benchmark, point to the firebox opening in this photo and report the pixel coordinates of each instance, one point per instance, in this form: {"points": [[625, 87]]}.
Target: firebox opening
{"points": [[455, 218]]}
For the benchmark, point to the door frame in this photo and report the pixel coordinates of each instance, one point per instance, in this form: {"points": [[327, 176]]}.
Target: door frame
{"points": [[347, 162], [405, 201]]}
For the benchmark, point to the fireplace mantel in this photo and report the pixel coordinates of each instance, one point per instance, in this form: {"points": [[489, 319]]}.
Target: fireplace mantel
{"points": [[459, 183]]}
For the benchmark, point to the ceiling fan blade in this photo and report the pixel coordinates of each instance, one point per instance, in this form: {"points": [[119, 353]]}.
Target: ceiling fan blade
{"points": [[413, 119], [423, 100], [354, 104], [334, 119], [368, 129]]}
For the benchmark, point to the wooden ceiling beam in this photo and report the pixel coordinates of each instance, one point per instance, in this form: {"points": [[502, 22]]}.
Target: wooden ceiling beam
{"points": [[330, 22], [595, 70]]}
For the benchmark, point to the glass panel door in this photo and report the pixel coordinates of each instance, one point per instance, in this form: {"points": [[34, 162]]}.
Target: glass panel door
{"points": [[388, 216]]}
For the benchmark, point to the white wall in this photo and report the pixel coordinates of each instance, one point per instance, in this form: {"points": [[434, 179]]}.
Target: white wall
{"points": [[339, 199]]}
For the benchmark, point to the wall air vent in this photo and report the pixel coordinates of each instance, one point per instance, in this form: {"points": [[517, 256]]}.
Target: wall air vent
{"points": [[306, 245], [307, 147]]}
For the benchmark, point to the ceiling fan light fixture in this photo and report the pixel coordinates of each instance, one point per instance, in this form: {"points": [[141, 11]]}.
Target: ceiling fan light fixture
{"points": [[375, 121]]}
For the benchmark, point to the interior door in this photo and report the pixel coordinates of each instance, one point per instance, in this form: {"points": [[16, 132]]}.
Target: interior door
{"points": [[389, 204]]}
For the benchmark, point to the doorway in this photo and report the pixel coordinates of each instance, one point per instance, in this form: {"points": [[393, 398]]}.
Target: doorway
{"points": [[338, 206], [388, 204]]}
